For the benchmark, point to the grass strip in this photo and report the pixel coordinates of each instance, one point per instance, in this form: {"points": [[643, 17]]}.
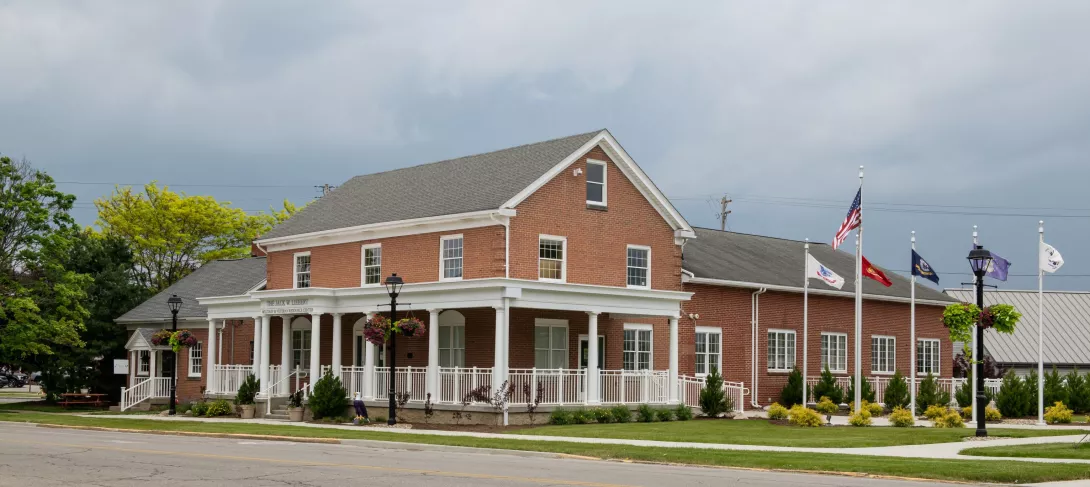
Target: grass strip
{"points": [[956, 470], [1065, 451]]}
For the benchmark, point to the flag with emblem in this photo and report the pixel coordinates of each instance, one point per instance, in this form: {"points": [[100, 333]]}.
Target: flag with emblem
{"points": [[875, 273], [817, 270], [922, 269]]}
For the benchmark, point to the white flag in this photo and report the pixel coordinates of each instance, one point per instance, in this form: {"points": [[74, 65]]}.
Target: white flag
{"points": [[1051, 260], [815, 270]]}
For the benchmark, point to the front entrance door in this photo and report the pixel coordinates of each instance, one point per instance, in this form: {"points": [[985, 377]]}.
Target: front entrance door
{"points": [[584, 348], [165, 367]]}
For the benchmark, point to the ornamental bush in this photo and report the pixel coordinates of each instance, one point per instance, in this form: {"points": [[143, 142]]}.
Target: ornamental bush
{"points": [[860, 418], [776, 411], [602, 415], [826, 406], [219, 408], [713, 401], [827, 387], [806, 417], [1017, 397], [1058, 414], [896, 395], [929, 395], [664, 414], [867, 394], [329, 399], [198, 408], [621, 413], [645, 414], [964, 393], [934, 412], [1078, 391], [901, 418], [952, 419], [792, 391], [1054, 388], [683, 412], [582, 416], [560, 416], [873, 408], [992, 414], [248, 390]]}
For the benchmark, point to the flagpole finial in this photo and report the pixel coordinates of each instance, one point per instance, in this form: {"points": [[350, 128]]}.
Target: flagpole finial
{"points": [[913, 236], [860, 172], [1040, 226]]}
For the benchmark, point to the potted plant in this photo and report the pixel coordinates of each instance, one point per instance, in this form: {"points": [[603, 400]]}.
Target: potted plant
{"points": [[247, 393], [295, 406]]}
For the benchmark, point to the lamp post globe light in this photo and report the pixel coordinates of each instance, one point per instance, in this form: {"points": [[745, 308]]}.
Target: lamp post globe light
{"points": [[979, 261], [393, 288], [175, 304]]}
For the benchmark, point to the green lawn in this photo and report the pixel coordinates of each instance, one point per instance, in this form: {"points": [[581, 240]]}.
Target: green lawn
{"points": [[1046, 450], [758, 432], [960, 470]]}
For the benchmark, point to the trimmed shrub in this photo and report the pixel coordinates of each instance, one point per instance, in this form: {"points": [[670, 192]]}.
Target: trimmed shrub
{"points": [[896, 395], [867, 395], [901, 417], [1058, 414], [934, 412], [967, 413], [581, 416], [602, 415], [713, 401], [664, 414], [806, 417], [964, 393], [683, 412], [826, 406], [329, 398], [776, 411], [248, 390], [860, 418], [1078, 391], [1054, 387], [874, 408], [645, 414], [929, 395], [952, 419], [791, 394], [992, 414], [560, 416], [219, 408], [621, 413], [198, 408], [1014, 399], [827, 387]]}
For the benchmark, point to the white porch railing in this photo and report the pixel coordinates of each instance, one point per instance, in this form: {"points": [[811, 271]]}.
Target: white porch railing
{"points": [[634, 386], [455, 383], [230, 377], [152, 387], [354, 379], [412, 380], [557, 386], [879, 383], [689, 392]]}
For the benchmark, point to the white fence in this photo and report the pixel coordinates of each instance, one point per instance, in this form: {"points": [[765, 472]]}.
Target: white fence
{"points": [[228, 378], [412, 380], [153, 387], [455, 383], [552, 386], [689, 392], [634, 387]]}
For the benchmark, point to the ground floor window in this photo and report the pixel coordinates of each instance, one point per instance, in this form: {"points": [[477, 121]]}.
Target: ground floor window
{"points": [[300, 349], [781, 350], [834, 352], [709, 346], [195, 360], [927, 356], [143, 362], [637, 347], [551, 346], [882, 354], [452, 346]]}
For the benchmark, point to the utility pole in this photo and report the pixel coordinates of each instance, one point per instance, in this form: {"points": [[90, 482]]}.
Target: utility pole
{"points": [[325, 189], [723, 212]]}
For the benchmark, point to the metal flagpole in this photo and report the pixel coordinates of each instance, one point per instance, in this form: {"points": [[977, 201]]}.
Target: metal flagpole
{"points": [[912, 333], [1040, 324], [972, 356], [805, 318], [859, 301]]}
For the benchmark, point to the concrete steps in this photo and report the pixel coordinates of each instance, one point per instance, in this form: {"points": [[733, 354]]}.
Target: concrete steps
{"points": [[279, 413]]}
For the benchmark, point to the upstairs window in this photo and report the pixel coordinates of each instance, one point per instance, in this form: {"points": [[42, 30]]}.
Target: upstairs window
{"points": [[596, 183], [550, 258], [372, 264], [302, 270], [639, 270], [450, 258]]}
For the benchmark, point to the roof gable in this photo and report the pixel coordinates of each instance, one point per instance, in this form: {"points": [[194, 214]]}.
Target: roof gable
{"points": [[217, 278]]}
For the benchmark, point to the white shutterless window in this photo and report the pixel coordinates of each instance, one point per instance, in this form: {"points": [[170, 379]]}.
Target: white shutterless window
{"points": [[302, 270], [450, 257], [709, 347], [781, 350], [551, 258], [927, 356], [638, 349], [834, 352], [372, 264], [550, 344], [300, 349], [883, 354], [639, 266], [452, 345], [195, 360], [143, 362], [596, 183]]}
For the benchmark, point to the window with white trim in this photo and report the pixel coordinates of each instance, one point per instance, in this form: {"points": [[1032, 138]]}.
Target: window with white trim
{"points": [[639, 266], [834, 352], [302, 270], [372, 264], [452, 346], [551, 255], [709, 349], [637, 347], [300, 349], [143, 361], [450, 257], [927, 356], [883, 353], [550, 346], [596, 183], [781, 350], [195, 360]]}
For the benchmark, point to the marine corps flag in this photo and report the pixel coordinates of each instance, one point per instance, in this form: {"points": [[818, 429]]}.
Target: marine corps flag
{"points": [[921, 268], [873, 273]]}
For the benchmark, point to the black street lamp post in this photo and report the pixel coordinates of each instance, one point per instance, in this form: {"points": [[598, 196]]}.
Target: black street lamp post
{"points": [[979, 260], [393, 287], [175, 303]]}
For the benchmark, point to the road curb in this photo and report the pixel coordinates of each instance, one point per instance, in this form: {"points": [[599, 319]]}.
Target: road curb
{"points": [[460, 449], [239, 436]]}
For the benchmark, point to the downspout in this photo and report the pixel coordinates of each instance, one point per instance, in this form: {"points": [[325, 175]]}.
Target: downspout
{"points": [[506, 243], [755, 320]]}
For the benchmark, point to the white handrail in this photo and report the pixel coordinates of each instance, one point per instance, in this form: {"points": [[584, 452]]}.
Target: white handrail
{"points": [[275, 386], [144, 390]]}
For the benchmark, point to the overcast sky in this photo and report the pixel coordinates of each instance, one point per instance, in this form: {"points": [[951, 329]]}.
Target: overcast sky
{"points": [[964, 113]]}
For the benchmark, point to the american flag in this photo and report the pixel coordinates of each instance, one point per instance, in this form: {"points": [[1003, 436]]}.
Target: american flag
{"points": [[851, 222]]}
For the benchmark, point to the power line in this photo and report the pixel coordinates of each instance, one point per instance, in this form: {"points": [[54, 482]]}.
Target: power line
{"points": [[190, 185], [880, 208]]}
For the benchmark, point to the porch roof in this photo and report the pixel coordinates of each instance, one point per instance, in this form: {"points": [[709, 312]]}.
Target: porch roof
{"points": [[141, 340], [217, 278]]}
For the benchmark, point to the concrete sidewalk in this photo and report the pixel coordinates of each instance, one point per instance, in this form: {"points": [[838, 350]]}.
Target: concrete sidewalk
{"points": [[932, 451]]}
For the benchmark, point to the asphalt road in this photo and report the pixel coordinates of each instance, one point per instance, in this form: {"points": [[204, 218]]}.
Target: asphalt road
{"points": [[34, 456]]}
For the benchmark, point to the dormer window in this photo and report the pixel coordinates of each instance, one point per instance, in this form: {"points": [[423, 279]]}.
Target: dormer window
{"points": [[596, 183]]}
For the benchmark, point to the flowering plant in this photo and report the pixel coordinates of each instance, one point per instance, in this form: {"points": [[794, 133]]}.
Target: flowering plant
{"points": [[182, 339], [378, 329], [160, 338], [959, 319]]}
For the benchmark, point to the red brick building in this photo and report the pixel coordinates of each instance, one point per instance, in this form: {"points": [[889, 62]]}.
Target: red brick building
{"points": [[512, 260]]}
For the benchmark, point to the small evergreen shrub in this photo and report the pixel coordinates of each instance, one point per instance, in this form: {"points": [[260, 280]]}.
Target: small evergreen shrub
{"points": [[901, 417], [1078, 391], [826, 406], [952, 419], [621, 413], [248, 390], [1054, 388], [329, 399], [1014, 398], [896, 395], [581, 416], [860, 418], [602, 415], [776, 411], [713, 401], [198, 408], [806, 417], [1058, 414], [792, 391], [867, 394], [683, 412], [219, 408], [929, 395], [664, 414], [560, 416], [827, 387], [935, 412], [645, 414]]}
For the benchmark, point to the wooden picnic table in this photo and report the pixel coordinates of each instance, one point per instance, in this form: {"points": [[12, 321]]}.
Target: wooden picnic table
{"points": [[82, 399]]}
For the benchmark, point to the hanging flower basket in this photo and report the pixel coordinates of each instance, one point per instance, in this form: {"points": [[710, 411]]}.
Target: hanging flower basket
{"points": [[959, 319], [161, 338], [182, 339], [378, 329]]}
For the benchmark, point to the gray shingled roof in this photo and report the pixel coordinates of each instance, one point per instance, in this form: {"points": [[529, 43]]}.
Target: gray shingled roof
{"points": [[1067, 326], [216, 278], [774, 261], [462, 185]]}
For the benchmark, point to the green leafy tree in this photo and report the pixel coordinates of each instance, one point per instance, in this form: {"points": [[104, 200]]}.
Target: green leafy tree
{"points": [[929, 394], [1054, 388], [792, 391], [867, 395], [827, 387], [896, 395], [1078, 391], [713, 401]]}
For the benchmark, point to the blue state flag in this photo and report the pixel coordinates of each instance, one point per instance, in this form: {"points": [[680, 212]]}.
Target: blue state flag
{"points": [[997, 268], [922, 269]]}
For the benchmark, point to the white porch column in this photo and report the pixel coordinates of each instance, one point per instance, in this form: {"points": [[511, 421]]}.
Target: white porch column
{"points": [[134, 366], [433, 353], [266, 329], [153, 363], [369, 367], [592, 359], [285, 352], [315, 348], [210, 357], [499, 371], [336, 363], [672, 375], [257, 346]]}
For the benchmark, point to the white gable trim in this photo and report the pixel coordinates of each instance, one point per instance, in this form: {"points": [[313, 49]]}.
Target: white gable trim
{"points": [[628, 167]]}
